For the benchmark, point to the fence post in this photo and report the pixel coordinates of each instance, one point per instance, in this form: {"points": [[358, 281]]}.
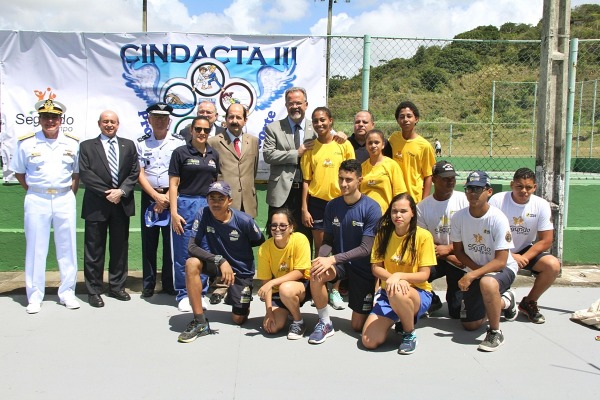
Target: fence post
{"points": [[552, 105], [531, 153], [366, 72], [569, 131], [450, 142], [579, 120], [492, 122], [593, 116]]}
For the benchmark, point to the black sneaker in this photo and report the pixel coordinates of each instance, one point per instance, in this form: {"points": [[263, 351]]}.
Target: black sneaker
{"points": [[194, 330], [493, 340], [530, 308], [398, 328], [436, 303], [296, 331]]}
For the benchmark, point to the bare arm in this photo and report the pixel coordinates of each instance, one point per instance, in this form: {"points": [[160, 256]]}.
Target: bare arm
{"points": [[21, 179], [427, 181], [74, 183]]}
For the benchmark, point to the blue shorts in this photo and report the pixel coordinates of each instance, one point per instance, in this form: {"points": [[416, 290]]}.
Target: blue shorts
{"points": [[383, 309], [316, 208], [534, 260], [473, 299]]}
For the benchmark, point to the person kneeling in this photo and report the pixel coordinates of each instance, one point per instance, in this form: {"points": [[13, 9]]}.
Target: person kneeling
{"points": [[284, 268], [230, 235], [401, 257]]}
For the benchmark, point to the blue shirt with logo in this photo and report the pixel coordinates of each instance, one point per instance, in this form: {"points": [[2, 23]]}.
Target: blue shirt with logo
{"points": [[233, 239], [348, 224]]}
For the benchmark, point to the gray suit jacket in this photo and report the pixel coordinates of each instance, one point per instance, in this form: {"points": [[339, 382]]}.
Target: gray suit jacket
{"points": [[279, 151]]}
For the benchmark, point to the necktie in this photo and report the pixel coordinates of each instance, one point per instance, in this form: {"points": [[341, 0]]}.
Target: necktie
{"points": [[297, 136], [236, 146], [113, 164]]}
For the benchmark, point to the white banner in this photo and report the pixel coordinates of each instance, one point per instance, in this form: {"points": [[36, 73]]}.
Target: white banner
{"points": [[90, 73]]}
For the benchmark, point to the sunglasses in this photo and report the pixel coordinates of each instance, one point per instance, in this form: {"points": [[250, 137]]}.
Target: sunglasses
{"points": [[282, 227], [475, 189], [198, 129]]}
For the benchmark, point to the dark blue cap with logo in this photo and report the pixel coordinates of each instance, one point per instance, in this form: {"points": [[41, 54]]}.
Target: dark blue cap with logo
{"points": [[478, 178], [220, 187]]}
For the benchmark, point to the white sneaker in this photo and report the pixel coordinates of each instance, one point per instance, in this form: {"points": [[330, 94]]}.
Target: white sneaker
{"points": [[71, 304], [184, 305], [335, 300], [33, 308]]}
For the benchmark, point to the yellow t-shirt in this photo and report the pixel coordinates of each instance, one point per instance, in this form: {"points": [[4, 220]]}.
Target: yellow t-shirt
{"points": [[382, 181], [392, 263], [320, 166], [274, 262], [416, 160]]}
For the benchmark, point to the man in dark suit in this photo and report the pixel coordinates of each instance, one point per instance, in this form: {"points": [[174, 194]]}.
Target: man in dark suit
{"points": [[238, 159], [283, 146], [108, 166], [205, 109]]}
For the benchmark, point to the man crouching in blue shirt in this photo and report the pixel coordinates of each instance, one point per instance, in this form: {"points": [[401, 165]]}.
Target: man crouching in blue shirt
{"points": [[230, 235], [350, 223]]}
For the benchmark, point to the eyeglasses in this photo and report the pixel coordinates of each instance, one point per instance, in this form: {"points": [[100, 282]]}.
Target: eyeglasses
{"points": [[295, 103], [281, 227], [198, 129], [475, 189]]}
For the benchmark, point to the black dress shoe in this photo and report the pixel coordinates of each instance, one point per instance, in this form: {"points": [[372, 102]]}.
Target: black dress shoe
{"points": [[119, 295], [170, 292], [148, 292], [95, 300]]}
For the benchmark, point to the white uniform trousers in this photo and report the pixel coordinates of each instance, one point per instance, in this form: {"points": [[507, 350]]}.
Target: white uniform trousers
{"points": [[41, 212]]}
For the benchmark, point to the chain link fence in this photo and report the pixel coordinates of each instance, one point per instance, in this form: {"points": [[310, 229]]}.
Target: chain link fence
{"points": [[477, 97]]}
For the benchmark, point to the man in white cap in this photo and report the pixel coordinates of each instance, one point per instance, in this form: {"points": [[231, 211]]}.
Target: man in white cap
{"points": [[46, 165], [154, 154]]}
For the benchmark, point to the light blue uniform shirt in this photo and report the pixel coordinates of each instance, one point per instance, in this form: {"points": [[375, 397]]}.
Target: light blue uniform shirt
{"points": [[155, 155]]}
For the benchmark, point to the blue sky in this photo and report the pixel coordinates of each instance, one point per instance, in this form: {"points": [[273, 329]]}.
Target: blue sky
{"points": [[396, 18]]}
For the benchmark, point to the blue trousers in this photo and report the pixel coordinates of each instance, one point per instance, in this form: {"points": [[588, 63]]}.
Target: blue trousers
{"points": [[187, 207]]}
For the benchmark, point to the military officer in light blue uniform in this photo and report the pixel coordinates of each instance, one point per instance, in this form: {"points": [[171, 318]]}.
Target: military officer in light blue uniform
{"points": [[46, 165], [154, 154]]}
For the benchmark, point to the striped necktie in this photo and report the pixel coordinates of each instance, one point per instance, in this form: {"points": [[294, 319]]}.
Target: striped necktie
{"points": [[113, 163]]}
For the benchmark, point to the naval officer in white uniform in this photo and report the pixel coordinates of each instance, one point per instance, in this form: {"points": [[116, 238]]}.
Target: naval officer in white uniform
{"points": [[46, 165]]}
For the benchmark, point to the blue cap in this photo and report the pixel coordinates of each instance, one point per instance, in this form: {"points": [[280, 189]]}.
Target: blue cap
{"points": [[153, 218], [478, 178], [220, 187]]}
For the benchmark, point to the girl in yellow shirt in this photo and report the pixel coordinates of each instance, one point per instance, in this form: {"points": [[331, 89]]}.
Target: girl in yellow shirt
{"points": [[382, 177], [284, 268], [320, 166], [401, 257]]}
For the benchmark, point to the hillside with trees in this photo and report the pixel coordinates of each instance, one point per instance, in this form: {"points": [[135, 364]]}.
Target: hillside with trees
{"points": [[458, 80]]}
